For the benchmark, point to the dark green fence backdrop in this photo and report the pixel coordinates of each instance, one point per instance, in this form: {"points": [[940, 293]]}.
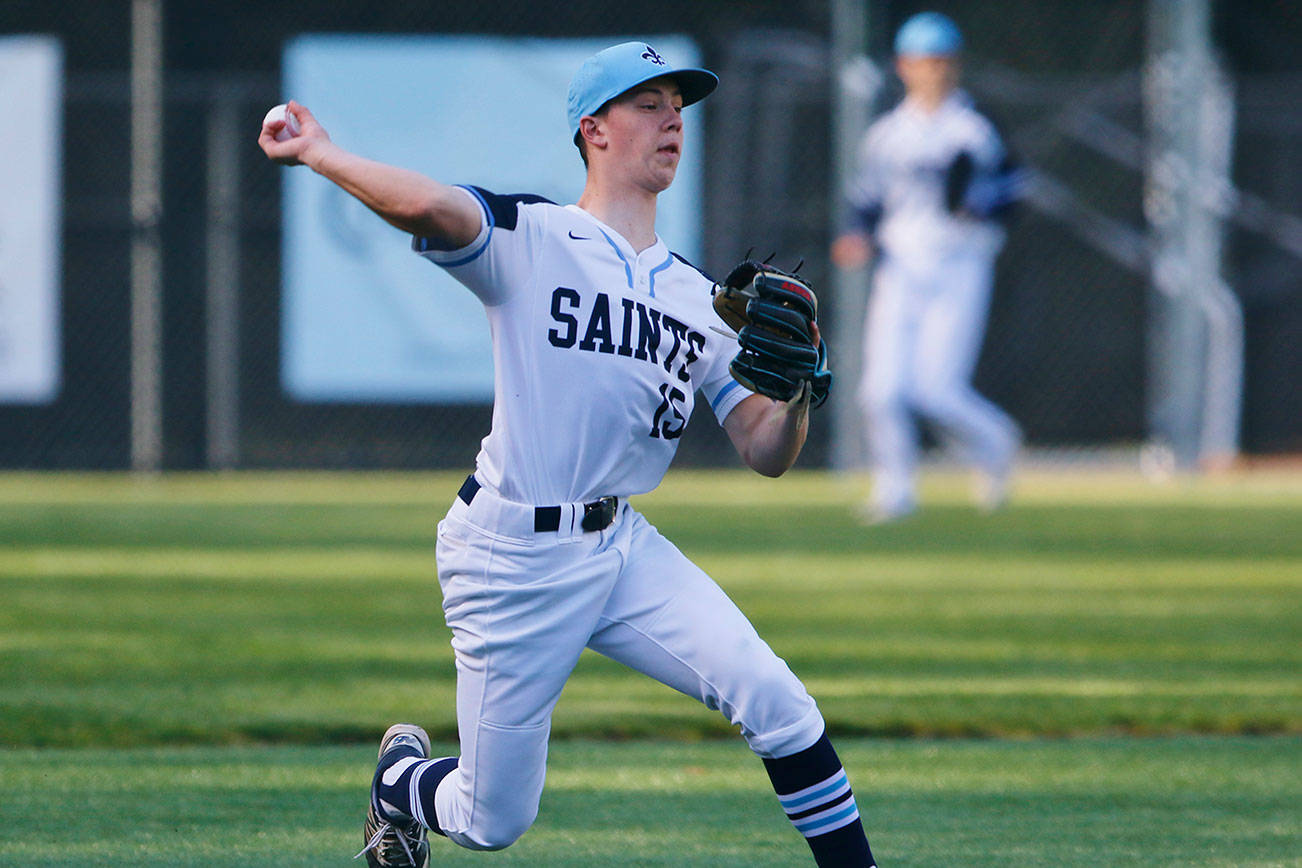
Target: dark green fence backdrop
{"points": [[1065, 348]]}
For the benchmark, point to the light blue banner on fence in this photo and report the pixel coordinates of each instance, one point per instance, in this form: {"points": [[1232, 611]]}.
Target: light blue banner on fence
{"points": [[363, 318], [31, 137]]}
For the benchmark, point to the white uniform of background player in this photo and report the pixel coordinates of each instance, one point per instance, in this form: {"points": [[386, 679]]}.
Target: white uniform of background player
{"points": [[601, 339], [931, 284]]}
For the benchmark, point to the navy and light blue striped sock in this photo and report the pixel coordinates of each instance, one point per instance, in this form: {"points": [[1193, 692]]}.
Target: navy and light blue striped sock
{"points": [[815, 793], [405, 783]]}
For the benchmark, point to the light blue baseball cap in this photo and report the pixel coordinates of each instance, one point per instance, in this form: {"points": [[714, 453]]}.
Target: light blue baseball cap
{"points": [[608, 73], [928, 34]]}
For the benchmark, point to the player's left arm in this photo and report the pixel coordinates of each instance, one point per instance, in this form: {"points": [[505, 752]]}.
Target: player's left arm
{"points": [[992, 181], [767, 433]]}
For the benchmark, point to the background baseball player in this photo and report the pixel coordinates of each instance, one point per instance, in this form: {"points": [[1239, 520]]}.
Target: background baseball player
{"points": [[933, 182], [601, 338]]}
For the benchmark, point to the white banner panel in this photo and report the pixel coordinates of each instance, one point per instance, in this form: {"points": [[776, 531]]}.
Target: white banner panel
{"points": [[31, 106], [364, 318]]}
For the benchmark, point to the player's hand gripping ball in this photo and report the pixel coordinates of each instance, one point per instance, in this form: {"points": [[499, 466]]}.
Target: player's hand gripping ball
{"points": [[282, 113], [773, 313]]}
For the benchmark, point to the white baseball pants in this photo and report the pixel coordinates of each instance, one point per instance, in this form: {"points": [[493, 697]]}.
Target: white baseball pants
{"points": [[522, 606], [922, 337]]}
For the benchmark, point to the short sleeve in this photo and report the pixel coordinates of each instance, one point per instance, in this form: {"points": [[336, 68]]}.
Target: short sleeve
{"points": [[722, 391], [498, 262]]}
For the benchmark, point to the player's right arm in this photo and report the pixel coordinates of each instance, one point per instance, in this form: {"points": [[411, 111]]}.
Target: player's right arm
{"points": [[408, 200], [854, 247]]}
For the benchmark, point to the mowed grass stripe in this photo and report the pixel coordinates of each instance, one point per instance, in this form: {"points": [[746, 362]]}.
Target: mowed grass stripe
{"points": [[1143, 534], [192, 563], [764, 570]]}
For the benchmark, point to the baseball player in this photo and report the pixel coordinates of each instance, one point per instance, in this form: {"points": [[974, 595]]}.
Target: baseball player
{"points": [[601, 339], [934, 181]]}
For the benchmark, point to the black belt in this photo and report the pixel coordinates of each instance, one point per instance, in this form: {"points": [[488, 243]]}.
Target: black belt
{"points": [[597, 515]]}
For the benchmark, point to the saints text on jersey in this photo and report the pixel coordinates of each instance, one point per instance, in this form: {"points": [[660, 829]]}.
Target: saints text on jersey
{"points": [[642, 329]]}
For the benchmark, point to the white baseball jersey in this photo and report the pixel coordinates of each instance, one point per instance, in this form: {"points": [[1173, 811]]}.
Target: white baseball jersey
{"points": [[597, 351], [900, 181]]}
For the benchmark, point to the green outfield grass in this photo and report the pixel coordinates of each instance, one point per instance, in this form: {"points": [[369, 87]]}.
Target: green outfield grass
{"points": [[304, 608], [1152, 802], [194, 670]]}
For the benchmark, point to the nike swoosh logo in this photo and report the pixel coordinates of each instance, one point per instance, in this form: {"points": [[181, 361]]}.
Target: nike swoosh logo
{"points": [[579, 237]]}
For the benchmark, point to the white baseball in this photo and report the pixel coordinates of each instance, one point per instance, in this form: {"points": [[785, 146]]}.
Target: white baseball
{"points": [[281, 113]]}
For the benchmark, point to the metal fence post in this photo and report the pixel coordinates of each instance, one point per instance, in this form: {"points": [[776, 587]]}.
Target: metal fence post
{"points": [[854, 82], [223, 285], [1195, 353], [146, 245]]}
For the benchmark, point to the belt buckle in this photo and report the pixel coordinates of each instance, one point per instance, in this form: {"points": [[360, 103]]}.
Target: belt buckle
{"points": [[598, 514]]}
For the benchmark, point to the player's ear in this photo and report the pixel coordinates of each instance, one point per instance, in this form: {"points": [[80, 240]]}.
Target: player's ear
{"points": [[592, 131]]}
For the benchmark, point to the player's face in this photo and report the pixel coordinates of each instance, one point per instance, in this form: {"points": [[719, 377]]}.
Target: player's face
{"points": [[645, 132], [929, 78]]}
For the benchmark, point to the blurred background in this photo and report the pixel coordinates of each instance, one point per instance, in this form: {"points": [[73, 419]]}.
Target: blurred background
{"points": [[1148, 300]]}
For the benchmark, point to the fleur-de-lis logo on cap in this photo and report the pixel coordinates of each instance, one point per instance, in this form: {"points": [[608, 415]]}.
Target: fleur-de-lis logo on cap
{"points": [[650, 54]]}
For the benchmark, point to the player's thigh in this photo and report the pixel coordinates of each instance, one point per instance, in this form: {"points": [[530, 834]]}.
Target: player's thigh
{"points": [[520, 615], [953, 326], [890, 334], [668, 619]]}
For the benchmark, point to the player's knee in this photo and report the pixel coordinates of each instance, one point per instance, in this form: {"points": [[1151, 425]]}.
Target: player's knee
{"points": [[495, 825], [497, 835], [939, 403], [496, 842], [781, 712]]}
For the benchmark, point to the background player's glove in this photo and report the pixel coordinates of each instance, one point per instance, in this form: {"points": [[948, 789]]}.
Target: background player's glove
{"points": [[958, 179], [772, 312]]}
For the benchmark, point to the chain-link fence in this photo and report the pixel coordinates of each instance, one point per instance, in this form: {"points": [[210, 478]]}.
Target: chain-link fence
{"points": [[1068, 336]]}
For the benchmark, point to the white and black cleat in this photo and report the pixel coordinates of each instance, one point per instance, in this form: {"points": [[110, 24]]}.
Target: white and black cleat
{"points": [[394, 839]]}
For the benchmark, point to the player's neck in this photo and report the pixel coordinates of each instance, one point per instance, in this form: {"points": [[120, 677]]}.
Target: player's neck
{"points": [[630, 212], [929, 101]]}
